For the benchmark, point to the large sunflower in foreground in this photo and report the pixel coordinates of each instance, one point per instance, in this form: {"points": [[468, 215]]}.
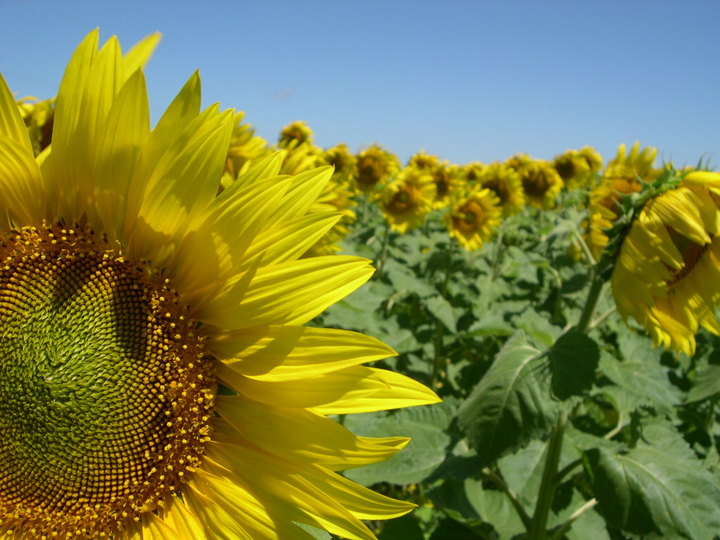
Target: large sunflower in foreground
{"points": [[129, 291], [667, 275]]}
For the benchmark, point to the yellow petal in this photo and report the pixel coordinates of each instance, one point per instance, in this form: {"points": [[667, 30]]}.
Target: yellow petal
{"points": [[288, 293], [21, 191], [301, 435], [140, 53], [12, 126], [350, 390], [284, 353]]}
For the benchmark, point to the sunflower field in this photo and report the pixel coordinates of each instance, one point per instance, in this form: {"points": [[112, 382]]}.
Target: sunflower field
{"points": [[564, 312]]}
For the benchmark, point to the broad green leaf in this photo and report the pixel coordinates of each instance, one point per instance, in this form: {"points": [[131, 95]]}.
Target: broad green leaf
{"points": [[646, 380], [404, 280], [402, 528], [538, 328], [424, 454], [442, 310], [495, 508], [512, 404], [573, 361], [491, 324], [658, 487], [707, 381]]}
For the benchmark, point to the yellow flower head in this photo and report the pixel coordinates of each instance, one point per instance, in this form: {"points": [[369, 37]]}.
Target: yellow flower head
{"points": [[473, 172], [300, 157], [295, 133], [375, 166], [541, 182], [623, 175], [244, 147], [343, 162], [473, 217], [505, 183], [38, 117], [667, 275], [425, 161], [577, 168], [130, 290], [408, 199]]}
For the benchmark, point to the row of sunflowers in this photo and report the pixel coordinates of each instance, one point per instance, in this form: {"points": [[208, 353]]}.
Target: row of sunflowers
{"points": [[249, 413]]}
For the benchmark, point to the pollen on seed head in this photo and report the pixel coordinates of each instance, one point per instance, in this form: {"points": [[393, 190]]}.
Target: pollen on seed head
{"points": [[94, 349]]}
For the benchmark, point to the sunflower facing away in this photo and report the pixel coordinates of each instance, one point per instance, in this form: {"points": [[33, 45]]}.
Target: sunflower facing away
{"points": [[130, 291], [667, 275]]}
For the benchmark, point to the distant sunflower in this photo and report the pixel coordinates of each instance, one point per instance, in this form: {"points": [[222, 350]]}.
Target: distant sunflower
{"points": [[295, 133], [473, 217], [541, 182], [473, 172], [578, 168], [505, 183], [408, 199], [667, 275], [38, 117], [129, 291], [244, 147], [375, 166]]}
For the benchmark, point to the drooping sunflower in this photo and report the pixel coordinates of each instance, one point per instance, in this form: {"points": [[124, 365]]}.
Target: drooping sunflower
{"points": [[624, 174], [667, 275], [408, 199], [473, 217], [130, 290], [505, 183], [541, 182]]}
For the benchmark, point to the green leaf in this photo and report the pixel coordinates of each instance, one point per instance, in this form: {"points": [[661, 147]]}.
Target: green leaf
{"points": [[442, 310], [659, 487], [538, 328], [573, 361], [405, 281], [493, 507], [511, 405], [402, 528], [426, 451], [707, 381], [491, 324], [645, 380]]}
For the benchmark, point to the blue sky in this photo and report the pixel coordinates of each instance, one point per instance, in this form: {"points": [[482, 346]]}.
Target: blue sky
{"points": [[466, 80]]}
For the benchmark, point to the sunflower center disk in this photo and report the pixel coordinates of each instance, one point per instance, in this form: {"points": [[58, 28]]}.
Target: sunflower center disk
{"points": [[105, 391]]}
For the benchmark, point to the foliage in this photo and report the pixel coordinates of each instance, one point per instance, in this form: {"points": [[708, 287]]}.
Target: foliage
{"points": [[549, 428]]}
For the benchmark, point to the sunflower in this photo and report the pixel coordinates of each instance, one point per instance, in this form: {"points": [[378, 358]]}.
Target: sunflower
{"points": [[244, 147], [408, 199], [473, 171], [541, 182], [623, 175], [38, 117], [295, 132], [578, 168], [505, 183], [343, 162], [473, 217], [130, 292], [667, 275], [375, 166]]}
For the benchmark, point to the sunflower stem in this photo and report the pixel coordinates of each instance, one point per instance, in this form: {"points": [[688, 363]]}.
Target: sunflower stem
{"points": [[591, 302], [383, 250], [538, 524]]}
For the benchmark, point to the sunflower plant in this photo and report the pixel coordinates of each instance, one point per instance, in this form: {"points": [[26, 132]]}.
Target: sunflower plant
{"points": [[158, 381]]}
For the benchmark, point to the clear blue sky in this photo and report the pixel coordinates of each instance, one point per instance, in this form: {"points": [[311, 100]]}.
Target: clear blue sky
{"points": [[466, 80]]}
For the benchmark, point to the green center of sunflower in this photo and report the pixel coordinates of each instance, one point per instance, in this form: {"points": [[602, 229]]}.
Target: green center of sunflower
{"points": [[105, 390]]}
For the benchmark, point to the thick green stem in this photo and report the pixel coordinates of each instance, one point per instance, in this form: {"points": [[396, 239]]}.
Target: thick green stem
{"points": [[591, 302], [538, 525], [383, 250]]}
